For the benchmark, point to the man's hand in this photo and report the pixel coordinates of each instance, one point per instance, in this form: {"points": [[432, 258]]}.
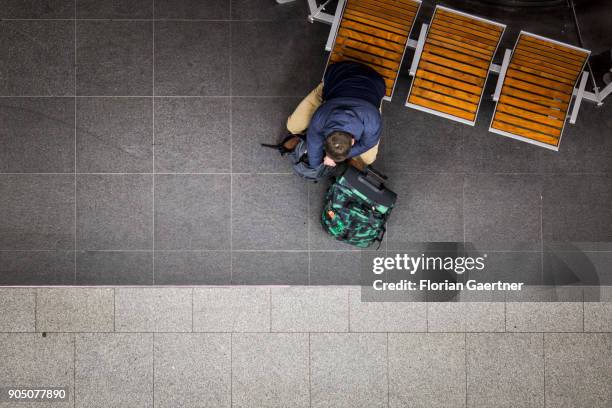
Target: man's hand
{"points": [[329, 162]]}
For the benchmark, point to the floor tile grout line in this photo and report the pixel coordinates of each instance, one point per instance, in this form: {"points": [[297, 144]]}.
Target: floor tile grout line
{"points": [[583, 328], [231, 156], [189, 96], [153, 140], [348, 302], [317, 332], [231, 369], [74, 368], [35, 310], [153, 361], [75, 144], [463, 209], [388, 375], [308, 222], [544, 366], [505, 313], [606, 175], [426, 314], [465, 363], [114, 310], [146, 174], [272, 250], [187, 20], [231, 160], [541, 231], [270, 308], [309, 370]]}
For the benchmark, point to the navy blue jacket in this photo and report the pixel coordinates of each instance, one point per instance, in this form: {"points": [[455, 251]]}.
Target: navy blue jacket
{"points": [[352, 94]]}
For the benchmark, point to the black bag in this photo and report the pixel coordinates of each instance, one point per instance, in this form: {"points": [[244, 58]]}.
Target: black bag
{"points": [[294, 147]]}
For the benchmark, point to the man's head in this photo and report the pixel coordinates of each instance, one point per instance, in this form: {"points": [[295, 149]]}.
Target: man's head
{"points": [[338, 145]]}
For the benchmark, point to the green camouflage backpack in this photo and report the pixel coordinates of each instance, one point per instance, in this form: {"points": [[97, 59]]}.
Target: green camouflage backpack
{"points": [[357, 207]]}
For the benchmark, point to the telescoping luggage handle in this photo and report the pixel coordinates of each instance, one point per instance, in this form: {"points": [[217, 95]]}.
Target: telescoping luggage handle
{"points": [[379, 185]]}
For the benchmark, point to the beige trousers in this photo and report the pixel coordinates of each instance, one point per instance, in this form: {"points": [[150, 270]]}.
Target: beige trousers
{"points": [[300, 119]]}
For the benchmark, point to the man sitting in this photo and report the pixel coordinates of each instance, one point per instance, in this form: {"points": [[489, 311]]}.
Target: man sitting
{"points": [[342, 115]]}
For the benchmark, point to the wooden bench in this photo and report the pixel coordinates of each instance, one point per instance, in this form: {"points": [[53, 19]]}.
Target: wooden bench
{"points": [[451, 64], [375, 32], [535, 89]]}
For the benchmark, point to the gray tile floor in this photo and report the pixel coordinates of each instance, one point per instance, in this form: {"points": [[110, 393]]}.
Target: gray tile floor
{"points": [[296, 347], [130, 153]]}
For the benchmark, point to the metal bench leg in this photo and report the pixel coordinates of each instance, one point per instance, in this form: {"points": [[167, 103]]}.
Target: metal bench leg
{"points": [[331, 38], [605, 92], [502, 75], [317, 13], [579, 96], [419, 50]]}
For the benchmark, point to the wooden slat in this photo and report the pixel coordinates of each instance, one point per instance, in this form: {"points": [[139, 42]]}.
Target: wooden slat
{"points": [[561, 87], [555, 58], [389, 9], [459, 46], [462, 76], [365, 38], [473, 21], [542, 74], [551, 140], [531, 116], [416, 4], [441, 107], [468, 27], [422, 83], [377, 11], [476, 72], [448, 100], [483, 65], [554, 45], [449, 82], [444, 32], [539, 99], [533, 61], [547, 130], [465, 32], [388, 73], [462, 50], [374, 21], [412, 6], [387, 35], [539, 49], [550, 62], [529, 63], [367, 14], [399, 8], [521, 103], [343, 42], [536, 89], [372, 59]]}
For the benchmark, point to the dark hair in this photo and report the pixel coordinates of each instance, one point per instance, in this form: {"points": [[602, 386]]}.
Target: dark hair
{"points": [[338, 145]]}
